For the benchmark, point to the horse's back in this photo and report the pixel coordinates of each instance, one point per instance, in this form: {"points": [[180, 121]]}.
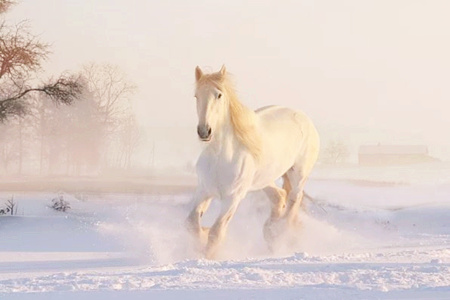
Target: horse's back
{"points": [[279, 117]]}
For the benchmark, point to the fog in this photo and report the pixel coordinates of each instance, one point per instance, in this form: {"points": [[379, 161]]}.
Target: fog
{"points": [[366, 72]]}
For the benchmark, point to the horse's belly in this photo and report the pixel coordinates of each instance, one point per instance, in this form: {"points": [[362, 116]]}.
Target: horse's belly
{"points": [[275, 162], [267, 176]]}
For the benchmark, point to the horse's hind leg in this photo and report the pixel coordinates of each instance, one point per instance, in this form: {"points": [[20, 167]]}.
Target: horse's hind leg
{"points": [[277, 198], [286, 184], [297, 179]]}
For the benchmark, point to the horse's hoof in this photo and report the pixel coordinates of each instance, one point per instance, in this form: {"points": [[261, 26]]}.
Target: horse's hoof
{"points": [[273, 229], [294, 224]]}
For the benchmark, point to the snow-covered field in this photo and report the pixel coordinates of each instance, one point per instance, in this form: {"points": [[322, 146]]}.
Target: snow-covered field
{"points": [[358, 240]]}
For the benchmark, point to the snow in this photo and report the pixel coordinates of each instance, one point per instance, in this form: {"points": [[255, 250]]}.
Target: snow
{"points": [[358, 239]]}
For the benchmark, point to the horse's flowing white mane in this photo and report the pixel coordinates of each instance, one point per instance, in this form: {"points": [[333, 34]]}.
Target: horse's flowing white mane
{"points": [[241, 117]]}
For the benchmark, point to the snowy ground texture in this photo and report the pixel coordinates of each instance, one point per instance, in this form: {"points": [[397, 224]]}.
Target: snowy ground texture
{"points": [[357, 241]]}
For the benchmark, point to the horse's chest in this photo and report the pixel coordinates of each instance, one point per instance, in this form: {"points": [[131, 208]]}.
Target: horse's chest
{"points": [[223, 176]]}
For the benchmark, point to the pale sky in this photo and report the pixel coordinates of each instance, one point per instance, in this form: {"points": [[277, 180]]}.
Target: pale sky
{"points": [[365, 71]]}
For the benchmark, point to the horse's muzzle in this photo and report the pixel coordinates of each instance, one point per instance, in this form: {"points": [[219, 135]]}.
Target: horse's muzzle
{"points": [[204, 132]]}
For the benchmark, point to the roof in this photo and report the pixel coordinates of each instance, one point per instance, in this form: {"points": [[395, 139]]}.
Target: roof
{"points": [[393, 149]]}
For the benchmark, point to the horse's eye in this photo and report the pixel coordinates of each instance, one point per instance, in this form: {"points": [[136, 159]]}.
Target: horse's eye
{"points": [[219, 96]]}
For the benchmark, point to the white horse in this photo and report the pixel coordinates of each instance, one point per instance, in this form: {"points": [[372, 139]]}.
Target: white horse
{"points": [[246, 151]]}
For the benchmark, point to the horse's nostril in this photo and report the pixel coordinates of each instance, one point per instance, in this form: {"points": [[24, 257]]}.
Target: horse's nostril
{"points": [[209, 131]]}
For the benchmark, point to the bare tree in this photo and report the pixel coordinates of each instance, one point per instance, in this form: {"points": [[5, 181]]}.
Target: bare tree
{"points": [[335, 152], [4, 5], [21, 57], [111, 90], [9, 147], [129, 137], [67, 139], [84, 136], [10, 207]]}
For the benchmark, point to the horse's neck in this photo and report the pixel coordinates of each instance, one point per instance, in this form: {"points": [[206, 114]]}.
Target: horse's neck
{"points": [[226, 141]]}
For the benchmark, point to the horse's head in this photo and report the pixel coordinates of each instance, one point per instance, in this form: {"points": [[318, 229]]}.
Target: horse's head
{"points": [[211, 102]]}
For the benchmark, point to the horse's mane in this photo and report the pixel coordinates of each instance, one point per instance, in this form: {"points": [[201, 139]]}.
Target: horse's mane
{"points": [[242, 118]]}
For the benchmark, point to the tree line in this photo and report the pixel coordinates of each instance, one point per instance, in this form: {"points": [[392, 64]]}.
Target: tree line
{"points": [[73, 124]]}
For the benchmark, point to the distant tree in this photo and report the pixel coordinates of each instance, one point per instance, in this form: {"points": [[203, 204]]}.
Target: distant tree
{"points": [[50, 128], [84, 135], [4, 5], [129, 137], [9, 147], [111, 90], [335, 152], [21, 57], [10, 207], [68, 139], [59, 204]]}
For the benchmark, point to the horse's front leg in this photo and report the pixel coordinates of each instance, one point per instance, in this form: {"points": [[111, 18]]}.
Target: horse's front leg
{"points": [[218, 230], [193, 222]]}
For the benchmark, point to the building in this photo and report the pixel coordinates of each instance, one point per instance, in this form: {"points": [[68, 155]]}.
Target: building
{"points": [[393, 154]]}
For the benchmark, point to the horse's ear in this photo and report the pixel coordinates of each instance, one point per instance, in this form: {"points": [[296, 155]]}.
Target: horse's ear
{"points": [[223, 70], [198, 73]]}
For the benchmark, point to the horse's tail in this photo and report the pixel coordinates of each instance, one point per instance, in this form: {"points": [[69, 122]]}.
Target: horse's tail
{"points": [[307, 196], [314, 201]]}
